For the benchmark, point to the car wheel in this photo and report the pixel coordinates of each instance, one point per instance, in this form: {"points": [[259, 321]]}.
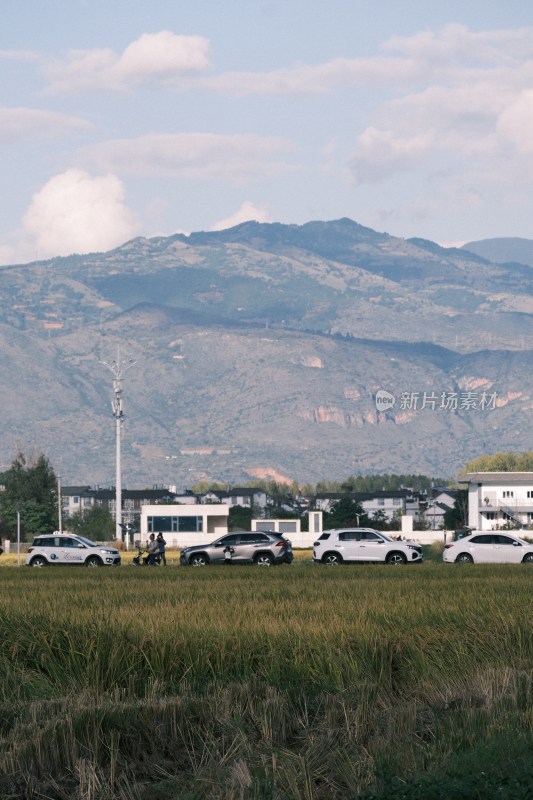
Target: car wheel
{"points": [[198, 561], [38, 561], [396, 559], [332, 559], [464, 558], [264, 560], [528, 559], [93, 561]]}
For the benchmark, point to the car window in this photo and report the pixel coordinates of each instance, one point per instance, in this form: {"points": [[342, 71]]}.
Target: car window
{"points": [[349, 536], [250, 538], [323, 537], [86, 541], [47, 541], [228, 540], [504, 540], [68, 542], [371, 537], [487, 539]]}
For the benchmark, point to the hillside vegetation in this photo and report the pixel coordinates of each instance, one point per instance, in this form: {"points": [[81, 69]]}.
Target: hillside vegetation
{"points": [[261, 350]]}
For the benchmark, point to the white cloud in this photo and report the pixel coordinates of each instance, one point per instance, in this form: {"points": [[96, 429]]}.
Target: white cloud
{"points": [[164, 54], [248, 211], [307, 79], [454, 53], [457, 42], [77, 213], [471, 102], [30, 123], [153, 58], [515, 123], [193, 155], [380, 153]]}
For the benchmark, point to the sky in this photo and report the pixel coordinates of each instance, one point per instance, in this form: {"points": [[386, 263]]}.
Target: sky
{"points": [[126, 118]]}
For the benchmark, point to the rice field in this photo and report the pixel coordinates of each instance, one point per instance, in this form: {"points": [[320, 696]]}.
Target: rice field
{"points": [[289, 683]]}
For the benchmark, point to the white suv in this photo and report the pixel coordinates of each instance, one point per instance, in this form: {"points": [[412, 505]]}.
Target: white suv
{"points": [[364, 544], [65, 548]]}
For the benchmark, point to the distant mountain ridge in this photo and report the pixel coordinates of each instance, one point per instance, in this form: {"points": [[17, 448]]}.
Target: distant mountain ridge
{"points": [[503, 250], [264, 347]]}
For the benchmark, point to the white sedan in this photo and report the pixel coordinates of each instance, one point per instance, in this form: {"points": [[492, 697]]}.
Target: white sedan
{"points": [[490, 548]]}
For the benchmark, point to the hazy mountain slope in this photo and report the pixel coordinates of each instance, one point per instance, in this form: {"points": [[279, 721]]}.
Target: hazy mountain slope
{"points": [[503, 250], [262, 348]]}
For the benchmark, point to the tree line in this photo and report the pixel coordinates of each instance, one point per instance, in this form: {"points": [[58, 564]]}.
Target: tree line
{"points": [[29, 493]]}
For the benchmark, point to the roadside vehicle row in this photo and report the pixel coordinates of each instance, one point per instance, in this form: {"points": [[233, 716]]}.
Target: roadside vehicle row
{"points": [[267, 548]]}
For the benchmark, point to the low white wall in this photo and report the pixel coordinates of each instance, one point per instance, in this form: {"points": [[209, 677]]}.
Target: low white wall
{"points": [[428, 537]]}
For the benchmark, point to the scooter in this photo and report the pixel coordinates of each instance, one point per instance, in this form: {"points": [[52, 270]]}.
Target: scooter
{"points": [[139, 561]]}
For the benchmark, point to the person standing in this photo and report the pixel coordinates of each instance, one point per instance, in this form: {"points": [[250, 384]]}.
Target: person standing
{"points": [[162, 545], [228, 553]]}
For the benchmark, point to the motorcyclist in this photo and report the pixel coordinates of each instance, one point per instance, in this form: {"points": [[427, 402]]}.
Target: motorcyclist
{"points": [[152, 549]]}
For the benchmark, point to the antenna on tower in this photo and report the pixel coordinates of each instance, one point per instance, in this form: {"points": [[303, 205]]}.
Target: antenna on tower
{"points": [[118, 368]]}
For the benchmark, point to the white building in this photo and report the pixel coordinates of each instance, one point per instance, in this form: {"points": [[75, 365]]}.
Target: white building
{"points": [[499, 500], [245, 497], [392, 504], [184, 524]]}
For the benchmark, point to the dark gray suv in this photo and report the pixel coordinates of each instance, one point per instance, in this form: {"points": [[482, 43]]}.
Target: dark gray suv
{"points": [[263, 548]]}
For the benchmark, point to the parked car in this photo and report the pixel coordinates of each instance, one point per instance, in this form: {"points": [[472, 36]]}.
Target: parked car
{"points": [[364, 544], [65, 548], [490, 548], [263, 548]]}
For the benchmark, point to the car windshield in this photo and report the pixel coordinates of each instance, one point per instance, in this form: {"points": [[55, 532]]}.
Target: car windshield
{"points": [[86, 541], [387, 538]]}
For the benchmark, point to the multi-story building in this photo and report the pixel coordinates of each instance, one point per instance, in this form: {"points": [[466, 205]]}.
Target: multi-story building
{"points": [[76, 499], [499, 500], [246, 497], [393, 504]]}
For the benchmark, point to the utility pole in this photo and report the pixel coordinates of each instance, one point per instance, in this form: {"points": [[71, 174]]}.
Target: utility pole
{"points": [[118, 369], [59, 504]]}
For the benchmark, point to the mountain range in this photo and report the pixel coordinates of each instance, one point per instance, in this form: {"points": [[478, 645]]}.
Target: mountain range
{"points": [[302, 352]]}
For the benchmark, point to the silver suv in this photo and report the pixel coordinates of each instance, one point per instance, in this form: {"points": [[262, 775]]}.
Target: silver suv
{"points": [[263, 548], [364, 544], [65, 548]]}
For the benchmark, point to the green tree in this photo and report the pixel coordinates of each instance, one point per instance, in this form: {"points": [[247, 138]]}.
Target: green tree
{"points": [[31, 487], [96, 523], [501, 462], [344, 513], [457, 517], [239, 519], [379, 520], [201, 487]]}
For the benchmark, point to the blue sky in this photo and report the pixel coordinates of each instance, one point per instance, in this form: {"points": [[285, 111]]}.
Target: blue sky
{"points": [[132, 118]]}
